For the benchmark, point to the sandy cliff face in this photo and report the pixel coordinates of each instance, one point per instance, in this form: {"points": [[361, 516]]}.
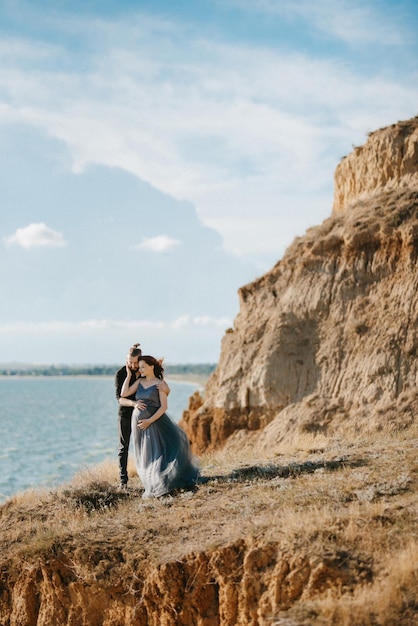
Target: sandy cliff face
{"points": [[328, 339], [237, 585], [389, 160]]}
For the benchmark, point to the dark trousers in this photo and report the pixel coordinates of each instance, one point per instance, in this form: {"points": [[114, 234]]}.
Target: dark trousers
{"points": [[124, 439]]}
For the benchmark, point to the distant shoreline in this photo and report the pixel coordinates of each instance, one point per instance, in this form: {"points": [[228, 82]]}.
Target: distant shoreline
{"points": [[193, 372], [185, 379]]}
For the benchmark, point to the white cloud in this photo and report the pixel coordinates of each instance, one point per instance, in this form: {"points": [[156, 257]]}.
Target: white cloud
{"points": [[279, 126], [182, 340], [202, 321], [161, 243], [36, 236], [99, 325], [212, 123], [352, 22]]}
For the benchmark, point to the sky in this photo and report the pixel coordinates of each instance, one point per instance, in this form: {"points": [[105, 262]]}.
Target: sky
{"points": [[156, 155]]}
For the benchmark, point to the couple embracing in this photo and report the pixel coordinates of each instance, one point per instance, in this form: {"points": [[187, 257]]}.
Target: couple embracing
{"points": [[163, 458]]}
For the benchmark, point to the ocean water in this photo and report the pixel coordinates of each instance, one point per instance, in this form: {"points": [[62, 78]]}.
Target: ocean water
{"points": [[53, 427]]}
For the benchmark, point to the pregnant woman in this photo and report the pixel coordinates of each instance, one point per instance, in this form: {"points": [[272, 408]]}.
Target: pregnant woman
{"points": [[163, 458]]}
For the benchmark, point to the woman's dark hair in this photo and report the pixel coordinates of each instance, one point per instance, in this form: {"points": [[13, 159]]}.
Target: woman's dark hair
{"points": [[135, 350], [156, 363]]}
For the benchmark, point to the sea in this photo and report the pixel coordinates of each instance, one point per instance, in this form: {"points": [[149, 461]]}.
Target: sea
{"points": [[53, 427]]}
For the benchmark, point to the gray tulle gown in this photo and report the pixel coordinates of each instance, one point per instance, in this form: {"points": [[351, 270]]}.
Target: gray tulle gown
{"points": [[163, 458]]}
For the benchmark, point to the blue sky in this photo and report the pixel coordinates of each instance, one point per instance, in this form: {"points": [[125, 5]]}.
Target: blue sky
{"points": [[157, 155]]}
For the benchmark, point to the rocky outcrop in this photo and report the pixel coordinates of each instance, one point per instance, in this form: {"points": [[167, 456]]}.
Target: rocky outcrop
{"points": [[388, 161], [243, 583], [327, 341]]}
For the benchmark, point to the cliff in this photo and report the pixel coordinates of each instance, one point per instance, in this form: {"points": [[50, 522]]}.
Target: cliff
{"points": [[327, 340], [388, 161], [321, 534]]}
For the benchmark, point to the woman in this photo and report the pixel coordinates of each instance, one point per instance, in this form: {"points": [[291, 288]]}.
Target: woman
{"points": [[162, 452]]}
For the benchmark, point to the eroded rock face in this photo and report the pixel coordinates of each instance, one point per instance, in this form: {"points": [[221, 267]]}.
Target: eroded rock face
{"points": [[240, 584], [327, 341], [389, 160]]}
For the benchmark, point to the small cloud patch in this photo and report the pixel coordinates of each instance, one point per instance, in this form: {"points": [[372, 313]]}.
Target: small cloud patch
{"points": [[162, 243], [36, 236]]}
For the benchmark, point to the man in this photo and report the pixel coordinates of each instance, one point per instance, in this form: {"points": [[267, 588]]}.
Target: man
{"points": [[126, 407]]}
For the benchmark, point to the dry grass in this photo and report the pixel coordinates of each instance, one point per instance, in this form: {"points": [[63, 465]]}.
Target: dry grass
{"points": [[353, 501], [391, 599]]}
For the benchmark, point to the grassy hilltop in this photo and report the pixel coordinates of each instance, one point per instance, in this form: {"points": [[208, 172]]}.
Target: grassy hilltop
{"points": [[324, 532]]}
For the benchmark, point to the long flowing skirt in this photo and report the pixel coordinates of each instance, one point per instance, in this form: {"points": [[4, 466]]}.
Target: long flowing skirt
{"points": [[163, 458]]}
